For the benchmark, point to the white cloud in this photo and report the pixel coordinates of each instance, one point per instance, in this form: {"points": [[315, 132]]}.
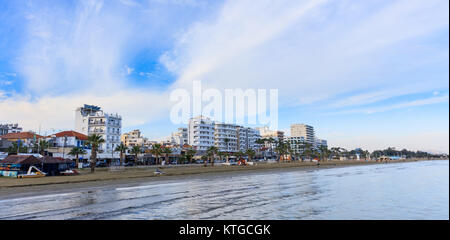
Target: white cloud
{"points": [[129, 70], [309, 50], [136, 107], [406, 104]]}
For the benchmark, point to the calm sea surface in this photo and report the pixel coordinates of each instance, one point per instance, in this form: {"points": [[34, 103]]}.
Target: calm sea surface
{"points": [[416, 190]]}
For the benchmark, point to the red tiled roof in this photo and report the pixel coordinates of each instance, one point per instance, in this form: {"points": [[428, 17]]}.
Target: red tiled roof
{"points": [[21, 135], [78, 135], [21, 159], [48, 159]]}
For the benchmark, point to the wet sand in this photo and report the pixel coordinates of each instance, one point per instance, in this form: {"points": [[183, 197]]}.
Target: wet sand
{"points": [[105, 177]]}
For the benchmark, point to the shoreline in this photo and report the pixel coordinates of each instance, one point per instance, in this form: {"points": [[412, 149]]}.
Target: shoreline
{"points": [[104, 177]]}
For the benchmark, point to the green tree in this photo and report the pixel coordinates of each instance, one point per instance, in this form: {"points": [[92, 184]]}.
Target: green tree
{"points": [[190, 153], [157, 151], [250, 154], [136, 150], [95, 141], [324, 152], [43, 145], [211, 153], [166, 151], [239, 155], [122, 149], [76, 151]]}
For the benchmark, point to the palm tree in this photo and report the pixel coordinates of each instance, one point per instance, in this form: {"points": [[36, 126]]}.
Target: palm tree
{"points": [[259, 141], [136, 150], [122, 149], [76, 151], [205, 160], [17, 147], [250, 153], [281, 149], [94, 140], [239, 155], [227, 156], [157, 151], [166, 152], [182, 159], [190, 153], [324, 152], [42, 146], [367, 154], [308, 150], [211, 152], [221, 155]]}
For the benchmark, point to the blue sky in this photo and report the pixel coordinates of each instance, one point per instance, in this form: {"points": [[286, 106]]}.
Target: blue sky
{"points": [[368, 74]]}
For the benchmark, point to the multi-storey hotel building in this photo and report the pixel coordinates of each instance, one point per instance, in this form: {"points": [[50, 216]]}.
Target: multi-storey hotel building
{"points": [[92, 120], [204, 133], [201, 133], [305, 131]]}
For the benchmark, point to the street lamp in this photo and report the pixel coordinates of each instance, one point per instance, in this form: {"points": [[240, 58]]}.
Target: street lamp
{"points": [[64, 145]]}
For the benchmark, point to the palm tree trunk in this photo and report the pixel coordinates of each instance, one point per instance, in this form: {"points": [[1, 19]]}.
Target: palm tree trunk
{"points": [[76, 161], [93, 159]]}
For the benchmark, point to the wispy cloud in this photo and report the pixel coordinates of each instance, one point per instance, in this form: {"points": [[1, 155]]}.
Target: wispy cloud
{"points": [[311, 50], [406, 104]]}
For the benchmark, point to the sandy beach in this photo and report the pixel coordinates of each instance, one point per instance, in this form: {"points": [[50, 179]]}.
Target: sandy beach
{"points": [[11, 187]]}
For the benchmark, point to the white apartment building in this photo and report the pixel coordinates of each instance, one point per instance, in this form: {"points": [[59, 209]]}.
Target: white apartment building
{"points": [[247, 138], [305, 131], [9, 128], [91, 119], [297, 144], [204, 133], [320, 142], [180, 137], [226, 137], [201, 133]]}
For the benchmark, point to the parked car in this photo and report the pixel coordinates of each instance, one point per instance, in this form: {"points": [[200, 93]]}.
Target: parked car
{"points": [[129, 164], [101, 164], [86, 165]]}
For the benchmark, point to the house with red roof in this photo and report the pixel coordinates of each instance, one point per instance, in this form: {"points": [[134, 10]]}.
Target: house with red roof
{"points": [[26, 139], [61, 143]]}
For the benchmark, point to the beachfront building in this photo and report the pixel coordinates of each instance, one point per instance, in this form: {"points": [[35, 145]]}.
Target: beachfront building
{"points": [[226, 137], [265, 132], [134, 138], [297, 144], [9, 128], [320, 142], [61, 143], [91, 119], [180, 137], [247, 138], [24, 139], [204, 133], [305, 131], [201, 133]]}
